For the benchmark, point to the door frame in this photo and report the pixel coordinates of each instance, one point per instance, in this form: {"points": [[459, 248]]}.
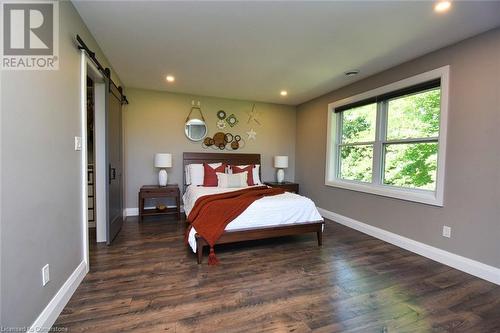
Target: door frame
{"points": [[87, 68]]}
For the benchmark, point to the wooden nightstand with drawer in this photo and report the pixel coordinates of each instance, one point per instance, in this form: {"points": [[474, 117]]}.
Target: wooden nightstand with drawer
{"points": [[156, 192], [287, 186]]}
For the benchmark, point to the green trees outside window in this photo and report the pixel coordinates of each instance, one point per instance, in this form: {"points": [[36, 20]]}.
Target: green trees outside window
{"points": [[406, 141]]}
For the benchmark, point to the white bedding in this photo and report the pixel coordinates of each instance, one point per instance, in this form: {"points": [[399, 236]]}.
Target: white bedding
{"points": [[283, 209]]}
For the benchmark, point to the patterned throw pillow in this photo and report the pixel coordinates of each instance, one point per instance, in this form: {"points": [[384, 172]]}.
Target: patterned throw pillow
{"points": [[210, 177], [248, 170]]}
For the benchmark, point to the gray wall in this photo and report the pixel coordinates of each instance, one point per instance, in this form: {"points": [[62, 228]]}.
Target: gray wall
{"points": [[154, 122], [40, 174], [472, 182]]}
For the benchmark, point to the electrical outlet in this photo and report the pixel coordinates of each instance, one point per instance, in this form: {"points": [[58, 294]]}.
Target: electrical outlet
{"points": [[45, 275], [446, 231], [78, 143]]}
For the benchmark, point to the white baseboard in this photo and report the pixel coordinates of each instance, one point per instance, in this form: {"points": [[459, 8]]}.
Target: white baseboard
{"points": [[135, 211], [131, 212], [49, 315], [473, 267]]}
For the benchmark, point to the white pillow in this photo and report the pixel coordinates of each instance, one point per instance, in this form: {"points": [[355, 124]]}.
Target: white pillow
{"points": [[237, 180], [196, 173], [255, 173], [186, 175]]}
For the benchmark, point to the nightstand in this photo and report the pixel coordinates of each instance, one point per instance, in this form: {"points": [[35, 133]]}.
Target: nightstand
{"points": [[287, 186], [155, 192]]}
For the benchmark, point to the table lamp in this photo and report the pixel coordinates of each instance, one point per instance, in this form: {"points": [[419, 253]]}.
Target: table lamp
{"points": [[162, 161], [280, 162]]}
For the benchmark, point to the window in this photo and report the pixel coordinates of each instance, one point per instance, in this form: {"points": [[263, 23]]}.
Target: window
{"points": [[391, 141], [357, 142]]}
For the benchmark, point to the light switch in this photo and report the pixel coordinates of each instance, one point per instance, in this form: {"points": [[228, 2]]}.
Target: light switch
{"points": [[78, 143]]}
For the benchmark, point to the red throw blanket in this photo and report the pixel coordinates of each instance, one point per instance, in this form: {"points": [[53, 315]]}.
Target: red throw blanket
{"points": [[212, 213]]}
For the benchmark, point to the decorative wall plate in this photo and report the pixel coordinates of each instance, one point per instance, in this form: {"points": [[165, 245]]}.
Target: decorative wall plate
{"points": [[221, 114], [221, 124], [235, 145], [208, 142], [232, 120], [220, 140]]}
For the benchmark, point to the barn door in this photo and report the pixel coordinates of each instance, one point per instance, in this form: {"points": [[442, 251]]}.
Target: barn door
{"points": [[114, 161]]}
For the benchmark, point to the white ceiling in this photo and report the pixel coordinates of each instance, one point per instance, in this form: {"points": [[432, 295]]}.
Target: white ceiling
{"points": [[252, 50]]}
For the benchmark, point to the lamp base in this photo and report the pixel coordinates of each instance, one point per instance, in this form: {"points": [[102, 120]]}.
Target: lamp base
{"points": [[280, 175], [162, 177]]}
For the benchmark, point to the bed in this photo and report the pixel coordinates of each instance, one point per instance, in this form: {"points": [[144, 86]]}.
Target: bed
{"points": [[281, 215]]}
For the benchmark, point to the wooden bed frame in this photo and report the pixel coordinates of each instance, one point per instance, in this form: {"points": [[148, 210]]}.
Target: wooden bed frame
{"points": [[251, 233]]}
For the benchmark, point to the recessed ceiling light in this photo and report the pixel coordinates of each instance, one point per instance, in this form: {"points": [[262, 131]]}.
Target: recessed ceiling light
{"points": [[442, 6], [283, 93], [352, 72], [170, 78]]}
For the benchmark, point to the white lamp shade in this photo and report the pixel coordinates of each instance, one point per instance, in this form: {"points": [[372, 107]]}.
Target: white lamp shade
{"points": [[281, 162], [163, 160]]}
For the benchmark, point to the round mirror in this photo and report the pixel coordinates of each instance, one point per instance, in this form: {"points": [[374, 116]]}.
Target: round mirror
{"points": [[195, 129]]}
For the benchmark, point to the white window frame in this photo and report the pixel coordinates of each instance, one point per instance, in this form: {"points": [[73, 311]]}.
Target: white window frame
{"points": [[376, 186]]}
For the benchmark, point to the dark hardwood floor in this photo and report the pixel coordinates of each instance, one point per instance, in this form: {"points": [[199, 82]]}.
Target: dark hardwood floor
{"points": [[148, 281]]}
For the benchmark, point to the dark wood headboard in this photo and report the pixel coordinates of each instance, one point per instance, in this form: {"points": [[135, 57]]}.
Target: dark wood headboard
{"points": [[228, 158]]}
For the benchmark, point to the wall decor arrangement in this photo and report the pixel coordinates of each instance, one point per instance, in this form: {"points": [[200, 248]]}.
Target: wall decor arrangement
{"points": [[224, 141], [227, 141]]}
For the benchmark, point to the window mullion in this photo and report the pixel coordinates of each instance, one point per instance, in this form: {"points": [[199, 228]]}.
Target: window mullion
{"points": [[378, 145], [338, 142], [363, 143], [383, 138], [412, 140]]}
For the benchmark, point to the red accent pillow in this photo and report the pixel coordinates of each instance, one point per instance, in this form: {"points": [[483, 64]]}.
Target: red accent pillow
{"points": [[248, 169], [210, 176]]}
